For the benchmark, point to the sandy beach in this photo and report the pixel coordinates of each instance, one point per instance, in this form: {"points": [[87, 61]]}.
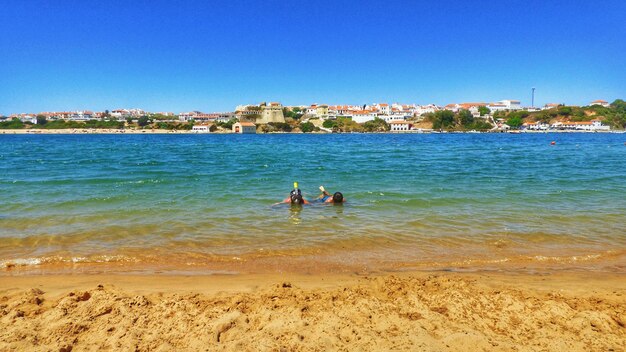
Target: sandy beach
{"points": [[417, 311]]}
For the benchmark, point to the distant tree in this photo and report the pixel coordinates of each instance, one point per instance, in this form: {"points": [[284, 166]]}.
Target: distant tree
{"points": [[514, 122], [346, 124], [41, 120], [307, 127], [481, 125], [129, 120], [292, 113], [376, 125], [565, 110], [443, 119], [619, 105], [212, 128], [143, 121], [466, 118], [329, 124], [483, 110], [229, 124]]}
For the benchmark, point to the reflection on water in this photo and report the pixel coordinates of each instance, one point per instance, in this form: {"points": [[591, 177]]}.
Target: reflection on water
{"points": [[431, 200], [294, 213]]}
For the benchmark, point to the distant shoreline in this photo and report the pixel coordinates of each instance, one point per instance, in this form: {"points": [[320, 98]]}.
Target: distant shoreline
{"points": [[160, 131]]}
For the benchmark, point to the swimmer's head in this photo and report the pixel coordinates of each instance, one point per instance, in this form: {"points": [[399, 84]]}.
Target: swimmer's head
{"points": [[337, 197], [296, 198], [295, 192]]}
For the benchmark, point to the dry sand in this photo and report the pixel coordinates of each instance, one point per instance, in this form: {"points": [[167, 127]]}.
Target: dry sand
{"points": [[406, 312]]}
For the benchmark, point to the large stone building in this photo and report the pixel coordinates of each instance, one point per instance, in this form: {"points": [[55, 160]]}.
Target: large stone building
{"points": [[261, 114]]}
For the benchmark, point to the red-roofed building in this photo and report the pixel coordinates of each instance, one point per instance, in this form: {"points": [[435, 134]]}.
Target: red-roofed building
{"points": [[600, 102]]}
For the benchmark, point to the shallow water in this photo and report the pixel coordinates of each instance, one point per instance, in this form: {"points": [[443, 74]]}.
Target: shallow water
{"points": [[204, 202]]}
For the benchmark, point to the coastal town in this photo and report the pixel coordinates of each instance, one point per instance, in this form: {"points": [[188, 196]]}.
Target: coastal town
{"points": [[500, 116]]}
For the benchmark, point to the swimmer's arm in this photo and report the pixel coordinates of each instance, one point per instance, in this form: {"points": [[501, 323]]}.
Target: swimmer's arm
{"points": [[283, 202]]}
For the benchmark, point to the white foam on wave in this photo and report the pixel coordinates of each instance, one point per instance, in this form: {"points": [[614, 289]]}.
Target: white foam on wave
{"points": [[19, 262]]}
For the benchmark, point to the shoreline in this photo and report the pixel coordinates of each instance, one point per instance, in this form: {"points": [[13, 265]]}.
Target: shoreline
{"points": [[158, 131], [438, 311]]}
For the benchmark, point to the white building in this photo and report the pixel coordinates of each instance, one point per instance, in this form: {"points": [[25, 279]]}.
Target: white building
{"points": [[594, 125], [505, 105], [200, 129], [244, 127], [29, 118], [399, 125], [511, 104], [600, 102], [535, 126], [394, 117], [424, 109], [383, 108], [362, 116]]}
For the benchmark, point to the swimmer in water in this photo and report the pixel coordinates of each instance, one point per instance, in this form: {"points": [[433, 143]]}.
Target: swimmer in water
{"points": [[325, 197], [295, 196]]}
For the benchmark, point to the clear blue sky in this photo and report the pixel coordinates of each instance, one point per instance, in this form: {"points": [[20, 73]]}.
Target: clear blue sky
{"points": [[212, 55]]}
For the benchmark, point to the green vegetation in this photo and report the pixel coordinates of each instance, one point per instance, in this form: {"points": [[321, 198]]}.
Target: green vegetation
{"points": [[294, 114], [227, 125], [442, 119], [345, 124], [483, 110], [465, 117], [173, 126], [614, 116], [43, 123], [41, 120], [514, 122], [62, 124], [161, 117], [332, 124], [307, 127], [376, 125], [13, 124], [462, 120], [143, 121], [279, 127]]}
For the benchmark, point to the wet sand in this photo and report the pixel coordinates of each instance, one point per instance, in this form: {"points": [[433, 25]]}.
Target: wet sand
{"points": [[432, 311]]}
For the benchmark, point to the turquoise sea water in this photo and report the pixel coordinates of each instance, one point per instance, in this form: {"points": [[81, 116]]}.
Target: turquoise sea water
{"points": [[204, 202]]}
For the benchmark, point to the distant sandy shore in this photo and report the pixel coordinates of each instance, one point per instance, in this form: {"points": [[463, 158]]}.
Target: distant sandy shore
{"points": [[407, 312], [160, 131], [100, 131]]}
